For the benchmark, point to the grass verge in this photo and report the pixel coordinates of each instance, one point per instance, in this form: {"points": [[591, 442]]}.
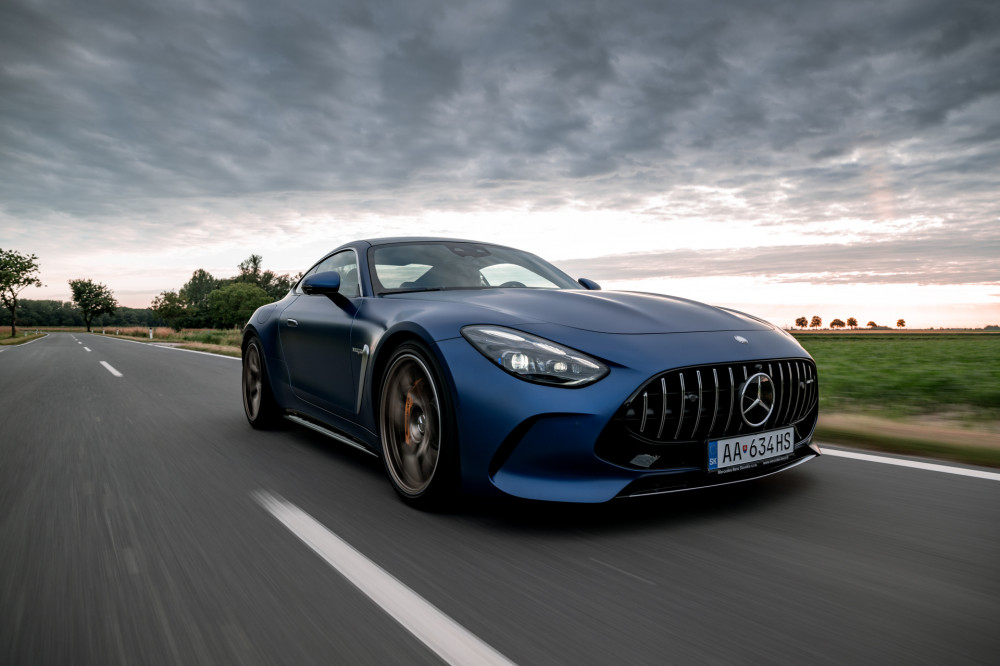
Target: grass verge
{"points": [[231, 346], [972, 447], [20, 339]]}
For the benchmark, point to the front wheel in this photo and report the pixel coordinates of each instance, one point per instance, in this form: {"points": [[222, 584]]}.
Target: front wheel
{"points": [[258, 400], [418, 448]]}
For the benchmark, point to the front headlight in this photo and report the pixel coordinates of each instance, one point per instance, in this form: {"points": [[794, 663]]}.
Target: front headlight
{"points": [[534, 359]]}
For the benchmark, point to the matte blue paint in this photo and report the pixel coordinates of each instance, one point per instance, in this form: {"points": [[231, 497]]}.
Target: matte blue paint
{"points": [[537, 440], [325, 283]]}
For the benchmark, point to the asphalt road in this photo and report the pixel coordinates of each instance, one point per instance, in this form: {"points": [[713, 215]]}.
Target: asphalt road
{"points": [[132, 531]]}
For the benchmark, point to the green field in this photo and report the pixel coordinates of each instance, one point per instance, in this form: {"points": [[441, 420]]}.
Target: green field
{"points": [[955, 375]]}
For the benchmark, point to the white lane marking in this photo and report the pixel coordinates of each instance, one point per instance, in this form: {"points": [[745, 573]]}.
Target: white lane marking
{"points": [[87, 348], [111, 370], [448, 639], [78, 342], [947, 469], [190, 351], [195, 351]]}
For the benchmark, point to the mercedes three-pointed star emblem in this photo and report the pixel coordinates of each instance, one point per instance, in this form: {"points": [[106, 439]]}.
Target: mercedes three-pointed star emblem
{"points": [[757, 400]]}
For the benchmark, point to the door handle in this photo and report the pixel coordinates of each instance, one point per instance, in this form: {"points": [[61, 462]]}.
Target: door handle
{"points": [[292, 323]]}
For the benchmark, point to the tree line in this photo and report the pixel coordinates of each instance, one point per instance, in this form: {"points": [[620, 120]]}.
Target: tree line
{"points": [[208, 302], [39, 313], [817, 322], [203, 302]]}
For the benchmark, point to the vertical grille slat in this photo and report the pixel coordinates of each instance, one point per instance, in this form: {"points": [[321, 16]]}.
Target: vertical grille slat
{"points": [[732, 398], [673, 412], [810, 388], [782, 393], [663, 413], [715, 405], [795, 412], [773, 416], [739, 405], [790, 390], [814, 395], [697, 417], [803, 390], [680, 419]]}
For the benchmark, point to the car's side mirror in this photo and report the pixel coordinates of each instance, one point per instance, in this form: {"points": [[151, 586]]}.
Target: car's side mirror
{"points": [[589, 284], [326, 283]]}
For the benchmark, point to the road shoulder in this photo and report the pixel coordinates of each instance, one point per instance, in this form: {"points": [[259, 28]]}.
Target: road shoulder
{"points": [[974, 447]]}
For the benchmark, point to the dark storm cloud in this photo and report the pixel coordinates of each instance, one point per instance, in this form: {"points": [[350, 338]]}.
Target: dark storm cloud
{"points": [[808, 112]]}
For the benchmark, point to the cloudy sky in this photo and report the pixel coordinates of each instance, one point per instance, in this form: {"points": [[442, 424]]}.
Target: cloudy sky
{"points": [[834, 158]]}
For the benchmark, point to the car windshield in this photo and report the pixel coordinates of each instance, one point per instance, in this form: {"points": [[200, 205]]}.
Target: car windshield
{"points": [[438, 265]]}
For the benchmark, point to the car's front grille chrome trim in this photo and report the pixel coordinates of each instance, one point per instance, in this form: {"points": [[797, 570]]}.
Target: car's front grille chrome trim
{"points": [[732, 398], [715, 408], [707, 400], [697, 414], [645, 411], [663, 410]]}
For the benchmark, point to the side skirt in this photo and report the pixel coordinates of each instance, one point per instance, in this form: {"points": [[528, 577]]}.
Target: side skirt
{"points": [[329, 433]]}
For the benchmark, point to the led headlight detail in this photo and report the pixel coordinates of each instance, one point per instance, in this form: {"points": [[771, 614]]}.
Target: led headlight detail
{"points": [[534, 359]]}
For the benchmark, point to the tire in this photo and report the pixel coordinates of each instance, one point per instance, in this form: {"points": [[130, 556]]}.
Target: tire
{"points": [[416, 429], [258, 401]]}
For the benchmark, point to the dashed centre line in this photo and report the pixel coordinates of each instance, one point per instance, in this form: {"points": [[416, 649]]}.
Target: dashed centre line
{"points": [[110, 369], [87, 348]]}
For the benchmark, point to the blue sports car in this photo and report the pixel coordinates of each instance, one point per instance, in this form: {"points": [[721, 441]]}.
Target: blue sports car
{"points": [[471, 367]]}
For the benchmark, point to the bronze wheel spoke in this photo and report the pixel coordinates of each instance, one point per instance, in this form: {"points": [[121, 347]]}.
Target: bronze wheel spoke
{"points": [[410, 422]]}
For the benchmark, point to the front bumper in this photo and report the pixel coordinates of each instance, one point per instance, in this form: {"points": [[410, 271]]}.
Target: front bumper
{"points": [[543, 443]]}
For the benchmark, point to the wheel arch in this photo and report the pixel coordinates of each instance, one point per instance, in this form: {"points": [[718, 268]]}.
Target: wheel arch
{"points": [[271, 360], [448, 477], [390, 342]]}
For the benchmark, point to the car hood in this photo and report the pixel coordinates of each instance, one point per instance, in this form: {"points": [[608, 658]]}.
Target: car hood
{"points": [[599, 311]]}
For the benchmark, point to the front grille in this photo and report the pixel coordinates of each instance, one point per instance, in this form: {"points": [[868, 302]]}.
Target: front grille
{"points": [[701, 403]]}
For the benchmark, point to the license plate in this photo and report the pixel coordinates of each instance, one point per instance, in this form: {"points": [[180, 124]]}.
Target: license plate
{"points": [[747, 451]]}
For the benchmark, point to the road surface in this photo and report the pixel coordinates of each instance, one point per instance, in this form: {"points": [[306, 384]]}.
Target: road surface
{"points": [[142, 521]]}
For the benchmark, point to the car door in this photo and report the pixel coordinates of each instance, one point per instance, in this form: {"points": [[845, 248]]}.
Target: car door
{"points": [[315, 335]]}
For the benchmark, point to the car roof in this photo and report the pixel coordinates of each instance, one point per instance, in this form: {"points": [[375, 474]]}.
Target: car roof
{"points": [[420, 239]]}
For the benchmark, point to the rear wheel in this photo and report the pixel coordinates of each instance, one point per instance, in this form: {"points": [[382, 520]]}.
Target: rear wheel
{"points": [[415, 428], [258, 401]]}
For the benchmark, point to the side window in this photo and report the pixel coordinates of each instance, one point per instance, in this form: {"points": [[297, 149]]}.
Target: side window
{"points": [[345, 263]]}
